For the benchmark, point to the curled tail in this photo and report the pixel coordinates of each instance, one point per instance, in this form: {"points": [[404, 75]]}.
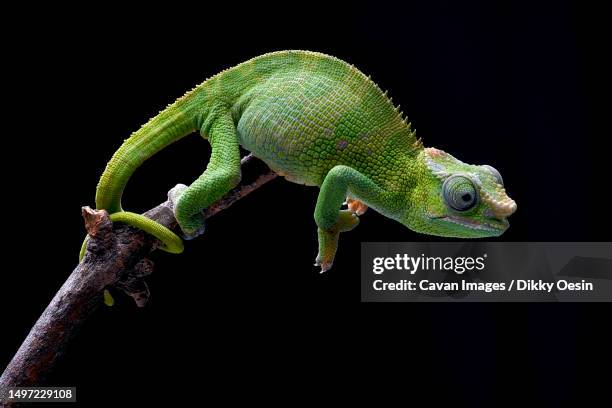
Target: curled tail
{"points": [[172, 124], [171, 242]]}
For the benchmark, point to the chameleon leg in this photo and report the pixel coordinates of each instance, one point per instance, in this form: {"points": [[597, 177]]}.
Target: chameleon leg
{"points": [[340, 181], [221, 175]]}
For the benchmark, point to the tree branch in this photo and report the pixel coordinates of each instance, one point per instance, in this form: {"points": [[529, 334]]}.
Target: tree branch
{"points": [[116, 256]]}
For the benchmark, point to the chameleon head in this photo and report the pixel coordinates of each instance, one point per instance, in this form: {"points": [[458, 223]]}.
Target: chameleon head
{"points": [[454, 199]]}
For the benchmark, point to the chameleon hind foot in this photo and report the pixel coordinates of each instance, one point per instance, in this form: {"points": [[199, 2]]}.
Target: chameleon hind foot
{"points": [[328, 238], [356, 206], [192, 227]]}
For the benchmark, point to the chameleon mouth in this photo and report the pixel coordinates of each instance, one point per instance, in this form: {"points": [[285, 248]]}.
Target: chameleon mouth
{"points": [[493, 226]]}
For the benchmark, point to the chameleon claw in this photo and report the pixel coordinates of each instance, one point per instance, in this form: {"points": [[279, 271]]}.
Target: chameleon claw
{"points": [[325, 266], [328, 239], [356, 206], [189, 235], [328, 245]]}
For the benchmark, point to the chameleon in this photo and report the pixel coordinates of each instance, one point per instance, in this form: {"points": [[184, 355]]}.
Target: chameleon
{"points": [[319, 121]]}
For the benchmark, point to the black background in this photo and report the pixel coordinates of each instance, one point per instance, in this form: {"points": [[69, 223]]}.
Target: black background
{"points": [[243, 313]]}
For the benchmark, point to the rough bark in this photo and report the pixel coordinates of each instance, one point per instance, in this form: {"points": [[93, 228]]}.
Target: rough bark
{"points": [[116, 256]]}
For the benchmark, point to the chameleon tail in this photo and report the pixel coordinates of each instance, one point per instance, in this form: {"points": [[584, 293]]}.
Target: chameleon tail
{"points": [[169, 126], [172, 124], [170, 241]]}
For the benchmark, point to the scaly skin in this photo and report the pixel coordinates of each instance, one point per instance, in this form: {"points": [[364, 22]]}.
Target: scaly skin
{"points": [[318, 121]]}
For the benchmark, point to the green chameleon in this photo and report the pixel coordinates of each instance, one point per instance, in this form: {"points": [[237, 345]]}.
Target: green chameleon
{"points": [[316, 120]]}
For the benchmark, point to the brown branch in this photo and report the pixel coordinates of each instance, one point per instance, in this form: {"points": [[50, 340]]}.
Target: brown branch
{"points": [[115, 257]]}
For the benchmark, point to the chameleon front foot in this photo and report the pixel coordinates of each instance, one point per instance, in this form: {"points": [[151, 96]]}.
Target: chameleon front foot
{"points": [[191, 226], [328, 239]]}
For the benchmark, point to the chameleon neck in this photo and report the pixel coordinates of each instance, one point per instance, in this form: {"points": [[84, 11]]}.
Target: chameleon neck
{"points": [[398, 185]]}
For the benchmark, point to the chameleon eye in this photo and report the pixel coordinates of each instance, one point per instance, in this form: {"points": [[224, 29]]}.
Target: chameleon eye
{"points": [[459, 193], [495, 173]]}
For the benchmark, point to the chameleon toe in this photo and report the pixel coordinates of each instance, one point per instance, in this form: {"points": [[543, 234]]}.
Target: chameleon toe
{"points": [[356, 206]]}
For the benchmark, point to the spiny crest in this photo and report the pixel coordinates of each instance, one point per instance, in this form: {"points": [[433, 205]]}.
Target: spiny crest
{"points": [[189, 93], [418, 143], [241, 65], [218, 74], [413, 141]]}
